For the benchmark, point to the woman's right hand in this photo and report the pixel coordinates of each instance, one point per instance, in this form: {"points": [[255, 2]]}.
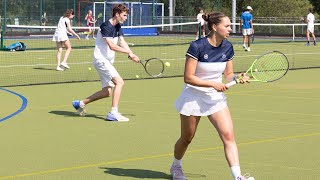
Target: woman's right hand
{"points": [[220, 87]]}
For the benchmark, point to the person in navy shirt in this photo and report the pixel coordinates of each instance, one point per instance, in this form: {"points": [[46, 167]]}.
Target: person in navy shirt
{"points": [[247, 27], [109, 40], [207, 60]]}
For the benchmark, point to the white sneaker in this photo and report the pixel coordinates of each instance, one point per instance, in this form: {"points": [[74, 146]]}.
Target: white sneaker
{"points": [[244, 177], [87, 38], [64, 65], [177, 172], [244, 46], [248, 49], [80, 109], [94, 37], [59, 68], [116, 117]]}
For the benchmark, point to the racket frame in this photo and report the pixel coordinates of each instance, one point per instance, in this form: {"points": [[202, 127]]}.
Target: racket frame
{"points": [[144, 63], [251, 70]]}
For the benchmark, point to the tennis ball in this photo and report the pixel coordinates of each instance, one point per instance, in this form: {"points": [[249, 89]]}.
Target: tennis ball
{"points": [[89, 68], [167, 64], [255, 70], [137, 76]]}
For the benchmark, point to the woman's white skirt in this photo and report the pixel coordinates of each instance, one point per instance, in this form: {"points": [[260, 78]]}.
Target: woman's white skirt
{"points": [[60, 37], [196, 104]]}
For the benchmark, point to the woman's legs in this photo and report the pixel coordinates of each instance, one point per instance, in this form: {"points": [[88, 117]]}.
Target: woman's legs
{"points": [[189, 126], [67, 44], [59, 52], [223, 123]]}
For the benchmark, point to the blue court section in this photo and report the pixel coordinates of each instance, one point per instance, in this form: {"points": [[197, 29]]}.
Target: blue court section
{"points": [[152, 31], [23, 105]]}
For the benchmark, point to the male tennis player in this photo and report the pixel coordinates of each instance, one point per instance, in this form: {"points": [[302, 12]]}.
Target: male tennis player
{"points": [[247, 27], [310, 30], [109, 40]]}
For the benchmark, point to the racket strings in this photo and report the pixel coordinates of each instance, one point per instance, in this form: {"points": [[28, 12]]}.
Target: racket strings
{"points": [[154, 67], [270, 67]]}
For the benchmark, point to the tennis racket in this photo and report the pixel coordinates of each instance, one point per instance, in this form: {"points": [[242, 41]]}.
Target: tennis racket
{"points": [[268, 67], [153, 67], [99, 16]]}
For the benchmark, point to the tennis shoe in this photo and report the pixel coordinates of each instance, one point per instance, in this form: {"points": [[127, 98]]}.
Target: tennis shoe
{"points": [[244, 46], [80, 109], [59, 68], [94, 37], [116, 117], [248, 49], [177, 172], [64, 65], [308, 44], [245, 177], [314, 43]]}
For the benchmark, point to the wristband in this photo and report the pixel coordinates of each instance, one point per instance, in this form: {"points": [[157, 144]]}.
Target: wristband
{"points": [[234, 78]]}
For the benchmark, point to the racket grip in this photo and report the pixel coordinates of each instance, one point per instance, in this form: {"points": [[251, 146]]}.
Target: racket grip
{"points": [[231, 83]]}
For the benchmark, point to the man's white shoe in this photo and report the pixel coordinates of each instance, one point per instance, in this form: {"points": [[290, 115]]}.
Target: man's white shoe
{"points": [[177, 172], [59, 68], [116, 117], [64, 65], [248, 49]]}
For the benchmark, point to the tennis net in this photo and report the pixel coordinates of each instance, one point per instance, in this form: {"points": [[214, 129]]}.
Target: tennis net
{"points": [[168, 42], [37, 65]]}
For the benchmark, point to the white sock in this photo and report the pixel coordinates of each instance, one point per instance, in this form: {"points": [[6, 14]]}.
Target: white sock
{"points": [[114, 109], [177, 162], [236, 172], [82, 104]]}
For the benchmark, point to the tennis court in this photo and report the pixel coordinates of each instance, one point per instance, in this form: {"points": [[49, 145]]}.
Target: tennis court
{"points": [[276, 124]]}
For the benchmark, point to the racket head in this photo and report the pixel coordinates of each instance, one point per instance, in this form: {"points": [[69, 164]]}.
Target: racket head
{"points": [[269, 67], [153, 67], [99, 15]]}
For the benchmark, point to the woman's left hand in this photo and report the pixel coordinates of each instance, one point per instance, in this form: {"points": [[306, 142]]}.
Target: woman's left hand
{"points": [[243, 78]]}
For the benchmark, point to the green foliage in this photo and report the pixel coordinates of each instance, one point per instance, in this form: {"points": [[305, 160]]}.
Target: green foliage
{"points": [[316, 5]]}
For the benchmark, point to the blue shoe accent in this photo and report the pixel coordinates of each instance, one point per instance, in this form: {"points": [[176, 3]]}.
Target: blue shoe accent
{"points": [[80, 110], [76, 104], [308, 44]]}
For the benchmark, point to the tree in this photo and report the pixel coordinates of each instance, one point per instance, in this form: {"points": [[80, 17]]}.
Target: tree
{"points": [[316, 5]]}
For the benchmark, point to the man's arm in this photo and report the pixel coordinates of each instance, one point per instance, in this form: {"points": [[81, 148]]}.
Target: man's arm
{"points": [[122, 47]]}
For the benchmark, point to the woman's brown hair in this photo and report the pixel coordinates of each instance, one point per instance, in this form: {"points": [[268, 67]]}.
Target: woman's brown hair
{"points": [[213, 19]]}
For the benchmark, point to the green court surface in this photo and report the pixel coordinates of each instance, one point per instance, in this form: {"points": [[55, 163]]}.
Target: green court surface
{"points": [[277, 129]]}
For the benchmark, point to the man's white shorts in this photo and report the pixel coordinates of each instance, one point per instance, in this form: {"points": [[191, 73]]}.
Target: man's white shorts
{"points": [[106, 71], [246, 32], [311, 29]]}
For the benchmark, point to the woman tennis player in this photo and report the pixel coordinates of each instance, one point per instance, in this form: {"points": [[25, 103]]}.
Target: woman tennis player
{"points": [[206, 60], [61, 38]]}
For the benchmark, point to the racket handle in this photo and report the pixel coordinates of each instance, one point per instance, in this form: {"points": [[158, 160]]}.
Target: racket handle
{"points": [[231, 83]]}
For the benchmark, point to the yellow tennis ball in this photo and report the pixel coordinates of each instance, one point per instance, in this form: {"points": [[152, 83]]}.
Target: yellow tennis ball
{"points": [[89, 68], [167, 64], [255, 70], [137, 76]]}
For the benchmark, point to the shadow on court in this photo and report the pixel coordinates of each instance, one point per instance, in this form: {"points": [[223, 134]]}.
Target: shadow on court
{"points": [[73, 114], [48, 69], [136, 173]]}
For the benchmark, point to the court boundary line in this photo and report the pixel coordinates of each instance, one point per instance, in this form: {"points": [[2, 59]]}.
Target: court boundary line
{"points": [[22, 107], [157, 156]]}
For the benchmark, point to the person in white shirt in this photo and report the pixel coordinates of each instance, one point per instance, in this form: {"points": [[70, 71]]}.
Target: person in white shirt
{"points": [[201, 27], [61, 38], [310, 29], [109, 40]]}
